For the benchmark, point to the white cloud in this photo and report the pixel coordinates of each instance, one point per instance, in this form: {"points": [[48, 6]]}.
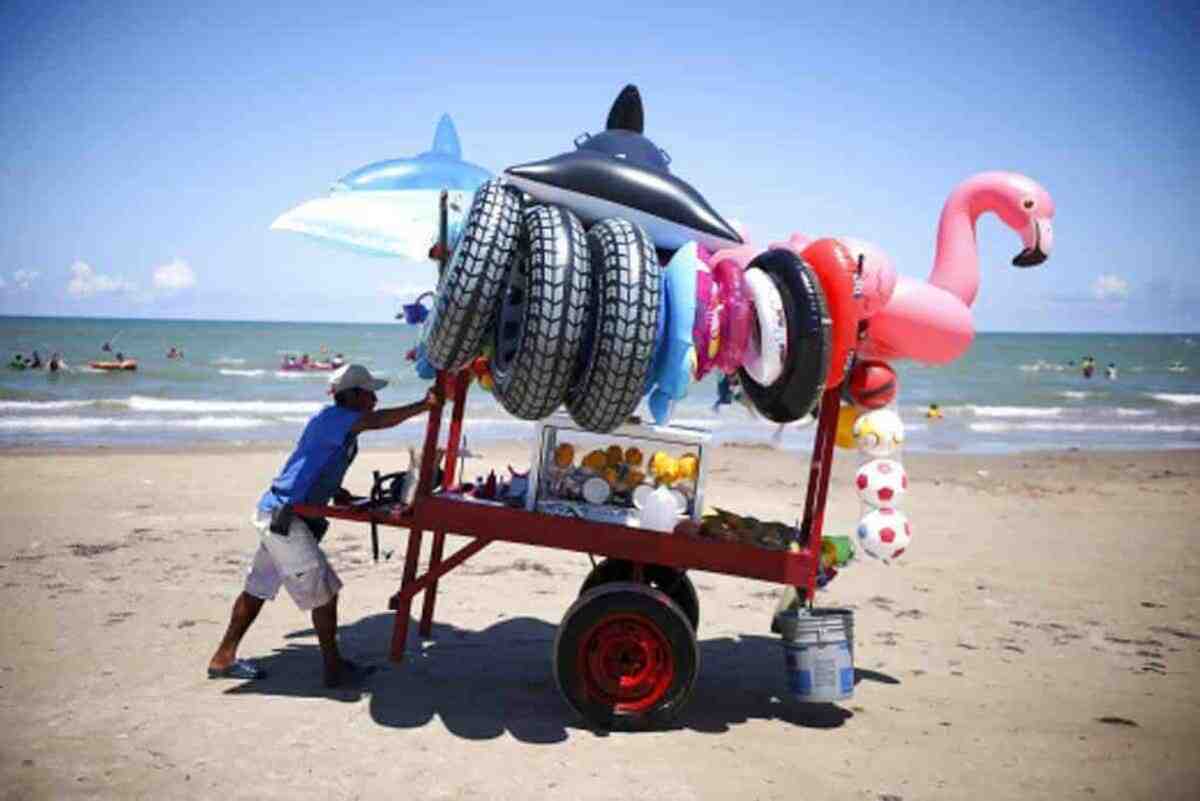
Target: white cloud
{"points": [[174, 276], [1110, 288], [23, 278], [86, 282]]}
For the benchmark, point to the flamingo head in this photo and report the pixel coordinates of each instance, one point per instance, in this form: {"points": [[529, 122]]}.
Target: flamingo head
{"points": [[1027, 208]]}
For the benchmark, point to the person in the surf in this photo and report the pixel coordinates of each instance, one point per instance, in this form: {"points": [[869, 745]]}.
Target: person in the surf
{"points": [[726, 388]]}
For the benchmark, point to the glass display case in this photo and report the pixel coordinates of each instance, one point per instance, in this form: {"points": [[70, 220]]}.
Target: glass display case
{"points": [[604, 477]]}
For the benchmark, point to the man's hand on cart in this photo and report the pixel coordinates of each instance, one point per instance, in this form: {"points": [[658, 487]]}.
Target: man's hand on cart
{"points": [[434, 396], [344, 497]]}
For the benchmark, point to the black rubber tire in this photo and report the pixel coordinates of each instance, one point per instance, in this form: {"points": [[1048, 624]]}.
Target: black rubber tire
{"points": [[675, 584], [622, 325], [543, 309], [469, 288], [799, 387], [651, 609]]}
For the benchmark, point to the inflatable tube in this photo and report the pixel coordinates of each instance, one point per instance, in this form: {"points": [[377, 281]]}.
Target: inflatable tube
{"points": [[128, 364], [672, 365], [767, 350], [622, 321], [877, 281], [741, 256], [797, 390], [706, 323], [542, 313], [796, 243], [470, 285], [736, 315], [836, 270], [621, 173]]}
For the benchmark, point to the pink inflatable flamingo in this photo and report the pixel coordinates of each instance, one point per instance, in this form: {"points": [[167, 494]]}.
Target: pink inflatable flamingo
{"points": [[931, 321]]}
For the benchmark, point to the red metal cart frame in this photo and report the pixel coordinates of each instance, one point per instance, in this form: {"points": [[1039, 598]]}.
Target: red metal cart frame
{"points": [[445, 511]]}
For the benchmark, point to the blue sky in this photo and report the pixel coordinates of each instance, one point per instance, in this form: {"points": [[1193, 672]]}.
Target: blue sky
{"points": [[145, 148]]}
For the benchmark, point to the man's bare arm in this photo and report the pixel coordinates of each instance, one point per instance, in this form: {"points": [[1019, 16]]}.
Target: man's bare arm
{"points": [[394, 416]]}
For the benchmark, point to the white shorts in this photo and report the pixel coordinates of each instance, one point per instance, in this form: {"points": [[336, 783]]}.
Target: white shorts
{"points": [[295, 562]]}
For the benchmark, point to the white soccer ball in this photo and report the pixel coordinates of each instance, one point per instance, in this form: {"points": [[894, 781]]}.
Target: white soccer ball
{"points": [[878, 433], [881, 482], [884, 534]]}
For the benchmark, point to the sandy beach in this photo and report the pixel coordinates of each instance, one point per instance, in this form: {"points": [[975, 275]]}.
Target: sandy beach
{"points": [[1041, 639]]}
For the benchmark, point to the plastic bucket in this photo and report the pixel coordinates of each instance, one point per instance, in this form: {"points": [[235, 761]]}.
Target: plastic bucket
{"points": [[818, 654]]}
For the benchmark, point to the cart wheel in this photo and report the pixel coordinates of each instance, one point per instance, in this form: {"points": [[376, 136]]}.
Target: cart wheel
{"points": [[625, 657], [675, 584]]}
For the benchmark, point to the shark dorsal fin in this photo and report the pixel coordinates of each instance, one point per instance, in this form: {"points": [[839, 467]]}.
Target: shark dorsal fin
{"points": [[445, 141], [626, 112]]}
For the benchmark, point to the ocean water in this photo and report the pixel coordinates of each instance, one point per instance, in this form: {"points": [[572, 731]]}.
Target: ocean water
{"points": [[1011, 392]]}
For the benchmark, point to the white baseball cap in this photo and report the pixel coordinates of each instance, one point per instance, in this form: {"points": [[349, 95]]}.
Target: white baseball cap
{"points": [[354, 376]]}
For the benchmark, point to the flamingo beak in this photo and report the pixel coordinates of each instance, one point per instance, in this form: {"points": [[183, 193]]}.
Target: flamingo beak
{"points": [[1039, 240]]}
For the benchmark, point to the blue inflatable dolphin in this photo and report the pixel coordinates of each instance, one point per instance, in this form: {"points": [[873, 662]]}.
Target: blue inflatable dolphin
{"points": [[390, 208]]}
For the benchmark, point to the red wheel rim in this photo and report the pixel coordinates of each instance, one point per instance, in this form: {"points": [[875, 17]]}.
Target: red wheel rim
{"points": [[626, 663]]}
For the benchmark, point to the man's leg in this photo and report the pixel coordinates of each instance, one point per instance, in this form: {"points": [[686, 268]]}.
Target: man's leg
{"points": [[262, 582], [245, 610], [325, 622]]}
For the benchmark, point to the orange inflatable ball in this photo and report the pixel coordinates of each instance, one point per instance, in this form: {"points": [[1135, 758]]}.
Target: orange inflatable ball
{"points": [[845, 427], [873, 384]]}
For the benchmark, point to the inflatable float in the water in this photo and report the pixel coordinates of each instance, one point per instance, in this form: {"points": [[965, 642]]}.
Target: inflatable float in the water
{"points": [[114, 366]]}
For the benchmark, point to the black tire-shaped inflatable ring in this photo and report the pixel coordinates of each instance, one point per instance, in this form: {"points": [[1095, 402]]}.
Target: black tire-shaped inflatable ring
{"points": [[470, 285], [798, 389], [543, 309], [622, 324]]}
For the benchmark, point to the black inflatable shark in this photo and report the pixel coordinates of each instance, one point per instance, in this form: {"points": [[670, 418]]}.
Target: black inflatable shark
{"points": [[621, 173]]}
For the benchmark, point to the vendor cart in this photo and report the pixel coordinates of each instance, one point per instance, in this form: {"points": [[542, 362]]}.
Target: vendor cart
{"points": [[625, 655]]}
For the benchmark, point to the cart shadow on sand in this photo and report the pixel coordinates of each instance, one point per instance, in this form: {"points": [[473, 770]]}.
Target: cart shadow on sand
{"points": [[482, 684]]}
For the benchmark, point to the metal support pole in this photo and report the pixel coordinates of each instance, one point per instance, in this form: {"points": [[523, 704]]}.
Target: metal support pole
{"points": [[461, 382], [818, 482]]}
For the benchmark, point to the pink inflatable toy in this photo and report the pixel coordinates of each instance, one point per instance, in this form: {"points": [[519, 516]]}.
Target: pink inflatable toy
{"points": [[737, 315], [930, 321], [796, 243], [723, 311], [878, 279], [705, 329]]}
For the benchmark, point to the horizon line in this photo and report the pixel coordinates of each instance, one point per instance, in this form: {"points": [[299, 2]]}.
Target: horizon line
{"points": [[388, 322]]}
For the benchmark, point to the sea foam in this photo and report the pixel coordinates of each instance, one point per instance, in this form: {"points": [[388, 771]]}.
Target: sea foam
{"points": [[1179, 399]]}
